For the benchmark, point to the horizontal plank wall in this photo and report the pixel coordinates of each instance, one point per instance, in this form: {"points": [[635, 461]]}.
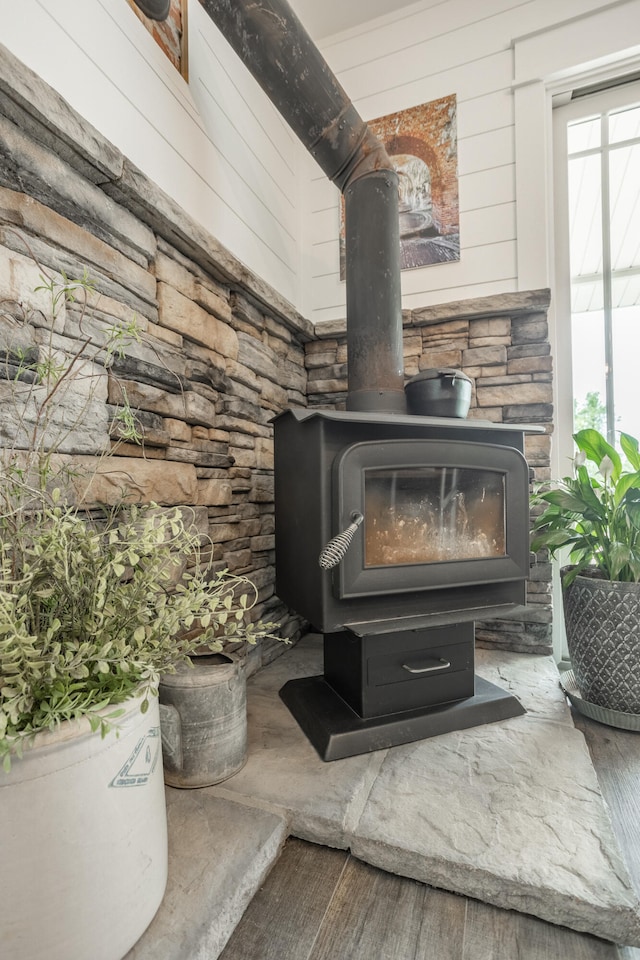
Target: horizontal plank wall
{"points": [[216, 146], [220, 352], [426, 51], [220, 150]]}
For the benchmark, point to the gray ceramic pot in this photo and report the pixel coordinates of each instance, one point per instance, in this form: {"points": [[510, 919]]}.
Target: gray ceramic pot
{"points": [[602, 619]]}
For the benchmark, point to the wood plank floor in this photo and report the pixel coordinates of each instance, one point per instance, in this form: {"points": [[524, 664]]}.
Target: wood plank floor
{"points": [[616, 758], [322, 904]]}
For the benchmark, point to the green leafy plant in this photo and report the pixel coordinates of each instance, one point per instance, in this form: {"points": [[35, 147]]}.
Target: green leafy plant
{"points": [[595, 514], [96, 603], [90, 613]]}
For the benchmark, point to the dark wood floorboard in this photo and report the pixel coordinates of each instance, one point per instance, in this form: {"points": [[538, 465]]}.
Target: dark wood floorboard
{"points": [[322, 904], [375, 914], [283, 919], [493, 934], [616, 758]]}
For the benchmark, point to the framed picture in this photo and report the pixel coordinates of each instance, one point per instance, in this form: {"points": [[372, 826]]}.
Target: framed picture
{"points": [[423, 146], [171, 34]]}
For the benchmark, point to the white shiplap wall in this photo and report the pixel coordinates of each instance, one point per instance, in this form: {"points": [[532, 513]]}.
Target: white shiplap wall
{"points": [[426, 51], [217, 146], [221, 150], [258, 158]]}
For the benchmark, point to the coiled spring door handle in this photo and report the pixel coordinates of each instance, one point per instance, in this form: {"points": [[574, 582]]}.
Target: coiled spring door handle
{"points": [[335, 550]]}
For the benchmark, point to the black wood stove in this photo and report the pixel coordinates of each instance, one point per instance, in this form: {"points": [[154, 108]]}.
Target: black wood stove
{"points": [[393, 534]]}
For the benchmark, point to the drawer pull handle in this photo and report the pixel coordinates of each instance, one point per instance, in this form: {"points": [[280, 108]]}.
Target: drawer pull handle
{"points": [[440, 665]]}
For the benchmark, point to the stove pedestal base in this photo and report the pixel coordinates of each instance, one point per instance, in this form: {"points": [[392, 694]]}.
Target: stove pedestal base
{"points": [[336, 731]]}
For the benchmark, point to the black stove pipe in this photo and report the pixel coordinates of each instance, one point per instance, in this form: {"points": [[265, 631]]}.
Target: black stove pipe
{"points": [[154, 9], [276, 49]]}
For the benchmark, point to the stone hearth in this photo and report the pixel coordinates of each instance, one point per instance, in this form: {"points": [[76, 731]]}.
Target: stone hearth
{"points": [[510, 813]]}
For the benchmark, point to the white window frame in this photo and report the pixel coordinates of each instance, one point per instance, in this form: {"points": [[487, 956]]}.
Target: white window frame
{"points": [[599, 45], [603, 102]]}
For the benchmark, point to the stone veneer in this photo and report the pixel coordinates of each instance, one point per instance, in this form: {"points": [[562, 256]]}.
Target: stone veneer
{"points": [[221, 352], [502, 343]]}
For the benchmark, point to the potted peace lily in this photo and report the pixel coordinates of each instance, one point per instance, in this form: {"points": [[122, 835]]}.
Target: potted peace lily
{"points": [[593, 517], [96, 603]]}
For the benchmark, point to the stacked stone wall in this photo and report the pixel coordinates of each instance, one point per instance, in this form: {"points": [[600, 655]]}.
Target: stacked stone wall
{"points": [[204, 381], [220, 352], [502, 343]]}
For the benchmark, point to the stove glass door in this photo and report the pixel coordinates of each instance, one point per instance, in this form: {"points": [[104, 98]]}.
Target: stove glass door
{"points": [[433, 514], [436, 514]]}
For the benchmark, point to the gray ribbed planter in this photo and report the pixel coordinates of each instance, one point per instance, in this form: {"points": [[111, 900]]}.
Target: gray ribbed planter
{"points": [[602, 620]]}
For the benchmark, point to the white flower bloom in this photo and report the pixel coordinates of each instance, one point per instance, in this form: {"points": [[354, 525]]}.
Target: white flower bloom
{"points": [[578, 460], [606, 467]]}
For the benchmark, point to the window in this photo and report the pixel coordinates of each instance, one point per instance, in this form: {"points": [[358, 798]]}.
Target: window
{"points": [[599, 137]]}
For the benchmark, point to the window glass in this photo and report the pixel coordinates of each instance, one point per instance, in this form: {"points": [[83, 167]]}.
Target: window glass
{"points": [[624, 191], [626, 350], [583, 135], [604, 246], [624, 125], [589, 370], [585, 224]]}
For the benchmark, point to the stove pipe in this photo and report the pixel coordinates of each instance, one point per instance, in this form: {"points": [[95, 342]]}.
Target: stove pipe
{"points": [[276, 49], [154, 9]]}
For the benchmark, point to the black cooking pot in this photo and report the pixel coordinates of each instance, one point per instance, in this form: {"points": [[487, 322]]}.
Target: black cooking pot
{"points": [[439, 393]]}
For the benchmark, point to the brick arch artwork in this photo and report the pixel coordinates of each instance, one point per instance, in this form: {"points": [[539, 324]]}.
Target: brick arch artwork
{"points": [[416, 147], [430, 231], [169, 34]]}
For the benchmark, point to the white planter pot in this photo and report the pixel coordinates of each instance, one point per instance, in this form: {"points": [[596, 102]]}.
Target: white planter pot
{"points": [[83, 841]]}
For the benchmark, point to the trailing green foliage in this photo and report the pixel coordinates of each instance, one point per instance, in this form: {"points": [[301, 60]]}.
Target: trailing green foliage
{"points": [[90, 612], [94, 604], [595, 514]]}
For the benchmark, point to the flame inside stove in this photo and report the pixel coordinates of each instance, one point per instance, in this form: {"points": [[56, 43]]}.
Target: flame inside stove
{"points": [[433, 515]]}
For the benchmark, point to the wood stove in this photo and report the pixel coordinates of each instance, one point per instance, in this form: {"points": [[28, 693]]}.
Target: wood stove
{"points": [[393, 534]]}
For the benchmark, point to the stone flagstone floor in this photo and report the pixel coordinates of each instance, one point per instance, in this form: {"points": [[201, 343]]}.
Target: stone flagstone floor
{"points": [[509, 813]]}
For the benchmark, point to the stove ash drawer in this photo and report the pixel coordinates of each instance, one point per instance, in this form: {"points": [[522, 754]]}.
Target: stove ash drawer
{"points": [[412, 680], [415, 665], [403, 670]]}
